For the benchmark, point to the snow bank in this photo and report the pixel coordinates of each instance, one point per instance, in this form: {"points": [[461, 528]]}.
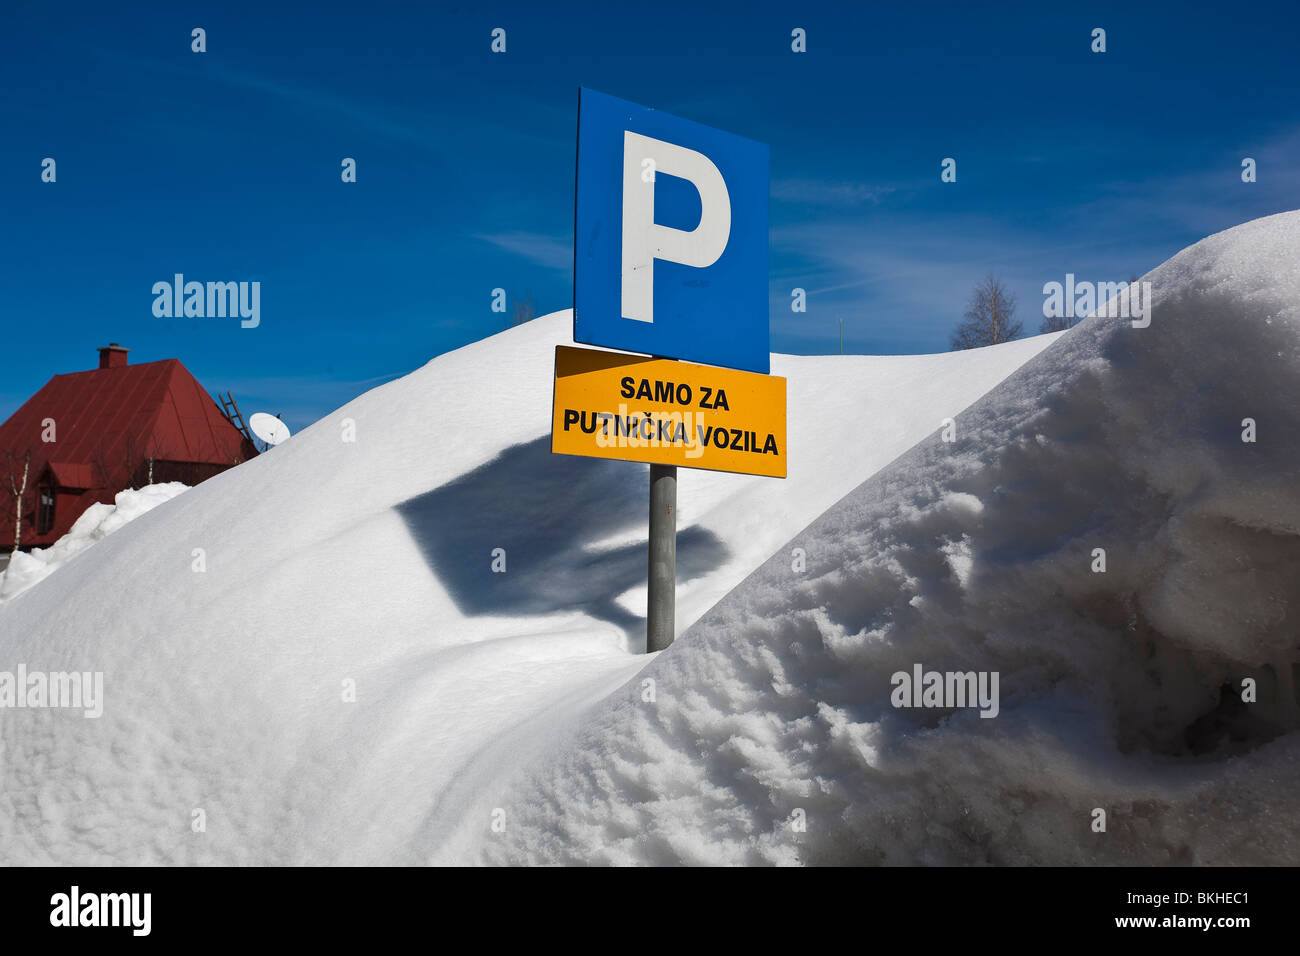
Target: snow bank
{"points": [[768, 733], [100, 519], [313, 650]]}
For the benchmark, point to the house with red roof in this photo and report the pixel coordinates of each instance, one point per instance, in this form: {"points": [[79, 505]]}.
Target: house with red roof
{"points": [[85, 436]]}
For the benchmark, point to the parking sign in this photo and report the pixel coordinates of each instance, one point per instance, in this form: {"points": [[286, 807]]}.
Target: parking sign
{"points": [[670, 237]]}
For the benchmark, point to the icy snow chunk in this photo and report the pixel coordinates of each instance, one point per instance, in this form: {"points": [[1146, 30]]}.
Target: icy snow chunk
{"points": [[960, 558]]}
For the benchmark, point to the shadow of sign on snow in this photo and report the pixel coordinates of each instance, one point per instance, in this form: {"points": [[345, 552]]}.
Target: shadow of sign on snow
{"points": [[544, 510]]}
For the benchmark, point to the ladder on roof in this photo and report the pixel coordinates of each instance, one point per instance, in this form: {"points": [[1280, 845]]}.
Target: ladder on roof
{"points": [[231, 410]]}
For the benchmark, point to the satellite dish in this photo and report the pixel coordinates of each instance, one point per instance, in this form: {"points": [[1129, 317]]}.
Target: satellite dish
{"points": [[268, 428]]}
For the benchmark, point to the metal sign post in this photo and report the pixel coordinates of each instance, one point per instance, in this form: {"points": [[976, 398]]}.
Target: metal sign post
{"points": [[668, 414], [675, 267], [661, 603]]}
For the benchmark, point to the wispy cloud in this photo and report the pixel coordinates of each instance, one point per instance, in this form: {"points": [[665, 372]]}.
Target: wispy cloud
{"points": [[404, 126], [814, 192], [901, 276], [425, 130], [1209, 199], [542, 249]]}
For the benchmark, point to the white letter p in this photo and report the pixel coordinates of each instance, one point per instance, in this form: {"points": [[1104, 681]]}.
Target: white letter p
{"points": [[644, 240]]}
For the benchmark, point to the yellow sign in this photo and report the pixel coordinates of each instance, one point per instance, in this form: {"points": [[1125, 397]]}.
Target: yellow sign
{"points": [[615, 405]]}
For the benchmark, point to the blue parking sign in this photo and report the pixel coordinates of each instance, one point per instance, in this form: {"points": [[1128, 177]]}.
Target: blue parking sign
{"points": [[670, 237]]}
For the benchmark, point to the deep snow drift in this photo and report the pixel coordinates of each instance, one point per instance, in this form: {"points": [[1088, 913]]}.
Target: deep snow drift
{"points": [[97, 521], [1120, 690], [313, 650]]}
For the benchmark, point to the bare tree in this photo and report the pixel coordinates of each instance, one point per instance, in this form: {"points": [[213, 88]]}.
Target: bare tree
{"points": [[989, 319], [18, 489], [134, 460], [151, 450], [523, 310]]}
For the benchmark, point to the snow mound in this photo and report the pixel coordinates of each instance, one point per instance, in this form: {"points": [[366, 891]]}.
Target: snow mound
{"points": [[97, 521], [313, 648], [768, 733]]}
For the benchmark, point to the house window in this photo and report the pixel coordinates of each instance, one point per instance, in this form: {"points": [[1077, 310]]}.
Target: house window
{"points": [[45, 510]]}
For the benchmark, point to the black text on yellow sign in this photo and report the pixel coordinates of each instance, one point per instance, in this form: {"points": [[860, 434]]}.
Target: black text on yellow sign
{"points": [[615, 405]]}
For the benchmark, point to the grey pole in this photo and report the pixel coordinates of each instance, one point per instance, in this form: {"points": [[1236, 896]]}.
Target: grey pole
{"points": [[662, 599]]}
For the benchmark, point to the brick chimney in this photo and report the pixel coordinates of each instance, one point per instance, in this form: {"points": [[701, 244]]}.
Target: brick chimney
{"points": [[112, 355]]}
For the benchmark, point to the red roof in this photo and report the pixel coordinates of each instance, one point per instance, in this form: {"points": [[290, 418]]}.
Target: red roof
{"points": [[69, 475], [107, 423]]}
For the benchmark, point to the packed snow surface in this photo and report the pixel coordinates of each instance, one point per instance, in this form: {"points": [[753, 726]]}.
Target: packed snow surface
{"points": [[773, 735], [100, 519], [313, 650]]}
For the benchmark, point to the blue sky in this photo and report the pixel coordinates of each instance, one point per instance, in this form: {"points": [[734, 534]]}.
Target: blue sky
{"points": [[225, 165]]}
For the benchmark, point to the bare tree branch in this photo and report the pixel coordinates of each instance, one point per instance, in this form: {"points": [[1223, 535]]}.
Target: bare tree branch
{"points": [[989, 319], [17, 490]]}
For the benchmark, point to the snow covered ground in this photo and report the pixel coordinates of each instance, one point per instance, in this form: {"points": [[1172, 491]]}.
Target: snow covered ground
{"points": [[1120, 690], [97, 521], [231, 624], [232, 637]]}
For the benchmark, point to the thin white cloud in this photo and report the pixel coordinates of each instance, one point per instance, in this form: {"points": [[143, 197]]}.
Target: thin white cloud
{"points": [[814, 192], [1210, 199], [898, 275], [423, 129], [542, 249]]}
